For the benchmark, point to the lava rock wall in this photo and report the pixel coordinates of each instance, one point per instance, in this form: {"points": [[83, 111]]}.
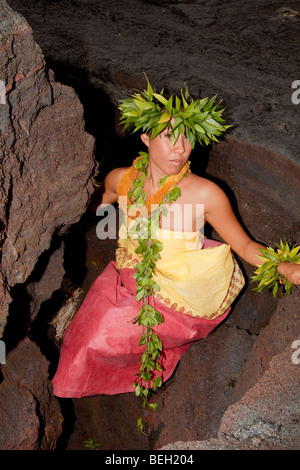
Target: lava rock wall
{"points": [[47, 167]]}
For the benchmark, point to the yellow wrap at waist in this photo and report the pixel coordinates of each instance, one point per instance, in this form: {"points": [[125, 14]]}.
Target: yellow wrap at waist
{"points": [[201, 282]]}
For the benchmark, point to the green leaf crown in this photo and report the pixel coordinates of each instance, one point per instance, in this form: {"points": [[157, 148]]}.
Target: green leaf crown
{"points": [[200, 120]]}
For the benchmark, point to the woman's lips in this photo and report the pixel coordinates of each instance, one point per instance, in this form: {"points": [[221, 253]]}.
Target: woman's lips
{"points": [[176, 162]]}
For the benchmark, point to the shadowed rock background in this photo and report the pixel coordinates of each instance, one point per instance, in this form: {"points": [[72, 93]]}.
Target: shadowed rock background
{"points": [[64, 64]]}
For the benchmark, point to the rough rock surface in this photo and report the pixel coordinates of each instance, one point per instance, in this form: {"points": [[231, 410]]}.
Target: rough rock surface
{"points": [[266, 417], [265, 414], [46, 155], [195, 399], [47, 168], [247, 53], [280, 334], [30, 418]]}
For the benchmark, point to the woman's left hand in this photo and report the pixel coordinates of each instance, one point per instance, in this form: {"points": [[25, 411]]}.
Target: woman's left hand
{"points": [[290, 271]]}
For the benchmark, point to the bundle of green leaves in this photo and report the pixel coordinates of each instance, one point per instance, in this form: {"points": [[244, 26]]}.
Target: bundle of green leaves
{"points": [[200, 120], [267, 274]]}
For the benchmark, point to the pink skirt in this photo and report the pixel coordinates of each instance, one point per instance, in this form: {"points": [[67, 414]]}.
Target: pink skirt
{"points": [[100, 352]]}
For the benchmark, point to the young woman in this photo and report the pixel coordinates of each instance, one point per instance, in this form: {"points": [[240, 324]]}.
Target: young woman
{"points": [[169, 286]]}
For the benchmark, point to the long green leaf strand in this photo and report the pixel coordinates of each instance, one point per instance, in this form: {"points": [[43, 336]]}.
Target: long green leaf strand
{"points": [[148, 318]]}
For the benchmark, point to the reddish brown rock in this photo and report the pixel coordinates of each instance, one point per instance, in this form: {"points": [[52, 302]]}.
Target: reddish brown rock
{"points": [[43, 285], [46, 156], [30, 416], [19, 420], [47, 168], [282, 330], [193, 401], [265, 412], [266, 418], [263, 186]]}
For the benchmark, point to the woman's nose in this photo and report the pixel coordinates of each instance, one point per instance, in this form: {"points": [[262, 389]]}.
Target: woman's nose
{"points": [[179, 144]]}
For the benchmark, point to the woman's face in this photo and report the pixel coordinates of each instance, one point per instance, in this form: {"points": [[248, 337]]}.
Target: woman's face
{"points": [[167, 157]]}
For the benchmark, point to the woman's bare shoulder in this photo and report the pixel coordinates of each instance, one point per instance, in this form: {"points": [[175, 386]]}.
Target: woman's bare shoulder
{"points": [[112, 179], [202, 187]]}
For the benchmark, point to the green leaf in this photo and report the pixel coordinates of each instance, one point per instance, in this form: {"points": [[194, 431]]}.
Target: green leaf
{"points": [[160, 98], [199, 129], [169, 105], [158, 129], [275, 289], [190, 136], [176, 193], [269, 256], [183, 100], [149, 88], [177, 122], [165, 118], [159, 317], [294, 251], [140, 295], [178, 104], [140, 248], [175, 135], [153, 406]]}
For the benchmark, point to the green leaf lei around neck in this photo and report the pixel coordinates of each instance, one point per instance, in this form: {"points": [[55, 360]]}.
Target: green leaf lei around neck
{"points": [[148, 317]]}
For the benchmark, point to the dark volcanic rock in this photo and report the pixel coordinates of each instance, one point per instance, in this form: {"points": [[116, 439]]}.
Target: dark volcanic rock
{"points": [[193, 402], [47, 168], [46, 156], [245, 52], [281, 332], [30, 417], [266, 397]]}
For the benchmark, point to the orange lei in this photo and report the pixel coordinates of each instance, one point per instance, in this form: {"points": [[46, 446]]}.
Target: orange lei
{"points": [[131, 174]]}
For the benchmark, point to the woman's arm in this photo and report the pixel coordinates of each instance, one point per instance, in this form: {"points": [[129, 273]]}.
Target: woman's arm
{"points": [[290, 271], [107, 194], [219, 214]]}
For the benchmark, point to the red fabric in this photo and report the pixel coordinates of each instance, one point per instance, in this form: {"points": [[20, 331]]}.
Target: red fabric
{"points": [[100, 352]]}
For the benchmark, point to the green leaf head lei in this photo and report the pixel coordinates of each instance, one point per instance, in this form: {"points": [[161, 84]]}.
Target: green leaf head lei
{"points": [[151, 112]]}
